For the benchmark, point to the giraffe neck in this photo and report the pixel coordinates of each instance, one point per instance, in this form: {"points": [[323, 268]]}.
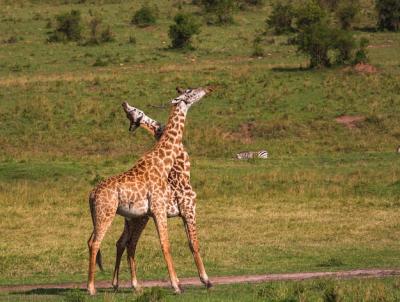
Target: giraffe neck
{"points": [[154, 127], [170, 143]]}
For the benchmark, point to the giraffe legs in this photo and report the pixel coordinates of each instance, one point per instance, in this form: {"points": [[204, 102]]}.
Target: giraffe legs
{"points": [[137, 227], [161, 224], [189, 221], [94, 246], [121, 244]]}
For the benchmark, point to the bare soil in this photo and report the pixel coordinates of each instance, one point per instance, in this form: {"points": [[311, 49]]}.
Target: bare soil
{"points": [[350, 121], [360, 273]]}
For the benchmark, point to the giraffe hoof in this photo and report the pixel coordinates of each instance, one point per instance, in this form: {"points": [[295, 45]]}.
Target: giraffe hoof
{"points": [[115, 287], [208, 284], [178, 290], [92, 291]]}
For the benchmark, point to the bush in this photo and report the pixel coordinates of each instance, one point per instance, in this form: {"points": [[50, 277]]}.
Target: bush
{"points": [[316, 40], [221, 10], [361, 53], [308, 14], [145, 16], [258, 50], [182, 31], [98, 33], [68, 27], [281, 19], [388, 14], [346, 13], [344, 44]]}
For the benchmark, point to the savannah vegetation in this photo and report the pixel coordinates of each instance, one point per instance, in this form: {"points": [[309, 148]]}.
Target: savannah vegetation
{"points": [[327, 199]]}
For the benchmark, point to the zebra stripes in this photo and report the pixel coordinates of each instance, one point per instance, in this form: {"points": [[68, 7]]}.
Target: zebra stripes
{"points": [[252, 154]]}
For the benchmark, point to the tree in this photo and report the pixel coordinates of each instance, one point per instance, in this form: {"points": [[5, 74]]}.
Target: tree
{"points": [[182, 31], [347, 12], [388, 14]]}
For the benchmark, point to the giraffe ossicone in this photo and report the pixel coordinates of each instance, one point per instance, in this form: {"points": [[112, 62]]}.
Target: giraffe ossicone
{"points": [[143, 192]]}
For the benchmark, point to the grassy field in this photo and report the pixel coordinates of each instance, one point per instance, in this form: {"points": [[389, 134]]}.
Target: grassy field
{"points": [[327, 199]]}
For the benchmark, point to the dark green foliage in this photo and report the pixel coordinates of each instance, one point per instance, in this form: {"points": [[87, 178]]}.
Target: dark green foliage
{"points": [[281, 19], [347, 12], [145, 16], [388, 14], [319, 39], [344, 44], [182, 31], [308, 14], [68, 27], [316, 40], [243, 4], [360, 55], [219, 11]]}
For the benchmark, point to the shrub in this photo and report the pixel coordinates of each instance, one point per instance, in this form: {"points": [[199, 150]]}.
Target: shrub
{"points": [[68, 27], [221, 10], [346, 13], [258, 50], [144, 17], [308, 14], [344, 44], [132, 40], [321, 39], [99, 34], [316, 40], [182, 31], [388, 14], [361, 55], [281, 19]]}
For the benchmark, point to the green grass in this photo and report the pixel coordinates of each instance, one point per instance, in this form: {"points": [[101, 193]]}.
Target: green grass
{"points": [[327, 199], [368, 290]]}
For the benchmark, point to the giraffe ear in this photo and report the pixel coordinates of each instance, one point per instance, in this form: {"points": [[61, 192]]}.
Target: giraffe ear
{"points": [[180, 90]]}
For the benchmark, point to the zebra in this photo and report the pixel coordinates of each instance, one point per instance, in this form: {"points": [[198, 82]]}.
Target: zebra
{"points": [[252, 154]]}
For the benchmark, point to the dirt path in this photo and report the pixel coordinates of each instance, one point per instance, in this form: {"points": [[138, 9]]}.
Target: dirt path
{"points": [[361, 273]]}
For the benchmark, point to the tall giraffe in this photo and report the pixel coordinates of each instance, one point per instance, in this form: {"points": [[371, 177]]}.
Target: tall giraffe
{"points": [[143, 190], [182, 203]]}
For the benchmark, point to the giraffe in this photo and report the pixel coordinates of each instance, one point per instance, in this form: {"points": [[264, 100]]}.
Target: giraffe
{"points": [[182, 203], [142, 191]]}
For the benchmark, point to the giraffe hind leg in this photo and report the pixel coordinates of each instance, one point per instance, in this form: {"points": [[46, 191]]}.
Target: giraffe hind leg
{"points": [[120, 245], [189, 221], [94, 247], [137, 226]]}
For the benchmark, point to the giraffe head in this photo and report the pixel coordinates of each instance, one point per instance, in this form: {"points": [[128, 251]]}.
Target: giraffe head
{"points": [[134, 115], [190, 96], [138, 118]]}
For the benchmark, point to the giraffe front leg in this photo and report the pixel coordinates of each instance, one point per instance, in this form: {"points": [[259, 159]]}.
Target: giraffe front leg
{"points": [[189, 221], [136, 227], [160, 220], [120, 245]]}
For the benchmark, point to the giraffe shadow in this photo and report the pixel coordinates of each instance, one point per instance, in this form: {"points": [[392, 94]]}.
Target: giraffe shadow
{"points": [[51, 291]]}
